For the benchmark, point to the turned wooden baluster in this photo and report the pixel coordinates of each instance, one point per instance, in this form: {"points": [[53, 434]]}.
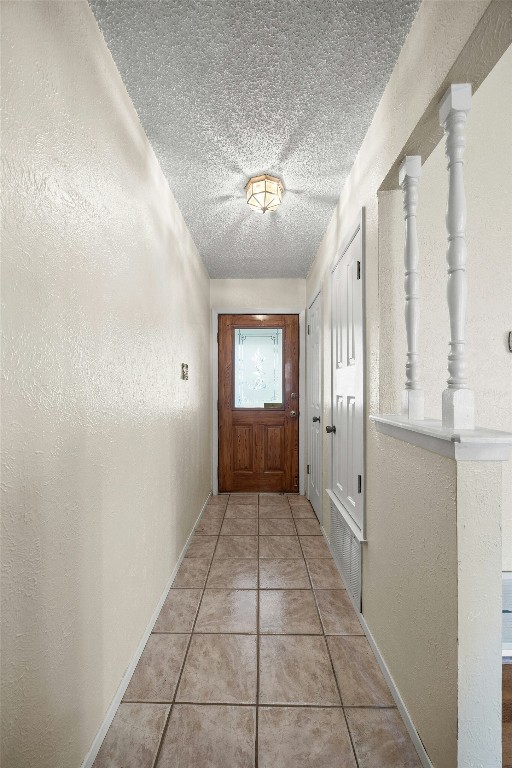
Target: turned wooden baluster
{"points": [[412, 395], [458, 399]]}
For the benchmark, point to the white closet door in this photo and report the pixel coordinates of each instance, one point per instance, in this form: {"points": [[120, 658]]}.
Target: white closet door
{"points": [[347, 380]]}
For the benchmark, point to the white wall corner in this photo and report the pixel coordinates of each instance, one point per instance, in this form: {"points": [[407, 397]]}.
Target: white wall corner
{"points": [[479, 614]]}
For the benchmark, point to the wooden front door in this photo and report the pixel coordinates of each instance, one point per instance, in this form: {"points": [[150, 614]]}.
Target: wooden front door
{"points": [[258, 403]]}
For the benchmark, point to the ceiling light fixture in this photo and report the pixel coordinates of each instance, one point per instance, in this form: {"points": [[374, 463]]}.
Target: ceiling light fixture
{"points": [[264, 193]]}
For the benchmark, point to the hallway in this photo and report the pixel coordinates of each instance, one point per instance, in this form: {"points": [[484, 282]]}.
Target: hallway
{"points": [[266, 665]]}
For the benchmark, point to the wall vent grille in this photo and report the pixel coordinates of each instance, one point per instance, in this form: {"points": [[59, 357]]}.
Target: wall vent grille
{"points": [[346, 550]]}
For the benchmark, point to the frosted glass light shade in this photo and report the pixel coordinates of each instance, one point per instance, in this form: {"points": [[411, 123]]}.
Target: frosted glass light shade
{"points": [[264, 193]]}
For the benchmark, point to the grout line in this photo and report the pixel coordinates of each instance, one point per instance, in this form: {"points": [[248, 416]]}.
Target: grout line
{"points": [[256, 730], [249, 704], [166, 726], [330, 659], [265, 634]]}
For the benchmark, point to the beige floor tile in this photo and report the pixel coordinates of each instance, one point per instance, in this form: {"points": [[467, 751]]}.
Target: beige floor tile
{"points": [[179, 611], [218, 501], [209, 527], [337, 613], [297, 501], [243, 498], [133, 739], [156, 675], [275, 511], [381, 739], [201, 546], [219, 669], [270, 499], [303, 737], [289, 612], [283, 574], [227, 610], [314, 547], [308, 527], [239, 527], [192, 573], [303, 511], [237, 547], [324, 574], [295, 669], [213, 513], [359, 677], [280, 526], [233, 574], [209, 737], [241, 510], [280, 546]]}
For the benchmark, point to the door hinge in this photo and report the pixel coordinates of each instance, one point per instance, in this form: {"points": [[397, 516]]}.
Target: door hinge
{"points": [[308, 469], [358, 270], [309, 329], [217, 338], [359, 483], [217, 405]]}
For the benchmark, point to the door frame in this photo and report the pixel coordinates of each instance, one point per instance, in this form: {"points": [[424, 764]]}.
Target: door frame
{"points": [[357, 225], [301, 312], [316, 295]]}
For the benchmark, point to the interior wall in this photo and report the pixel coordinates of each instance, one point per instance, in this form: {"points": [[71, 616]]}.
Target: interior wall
{"points": [[488, 185], [106, 450], [269, 294], [402, 481]]}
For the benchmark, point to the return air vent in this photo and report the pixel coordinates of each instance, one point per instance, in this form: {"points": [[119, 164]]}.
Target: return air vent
{"points": [[346, 550]]}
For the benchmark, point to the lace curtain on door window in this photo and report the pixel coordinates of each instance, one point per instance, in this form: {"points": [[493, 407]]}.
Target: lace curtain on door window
{"points": [[258, 354]]}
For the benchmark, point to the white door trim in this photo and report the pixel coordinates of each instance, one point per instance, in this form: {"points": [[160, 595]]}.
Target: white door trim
{"points": [[301, 312], [317, 295]]}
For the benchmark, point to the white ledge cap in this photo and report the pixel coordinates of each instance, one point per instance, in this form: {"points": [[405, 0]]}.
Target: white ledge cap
{"points": [[456, 99], [462, 445], [410, 166]]}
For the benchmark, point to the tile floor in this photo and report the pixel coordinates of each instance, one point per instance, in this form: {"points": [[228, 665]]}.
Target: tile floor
{"points": [[257, 659]]}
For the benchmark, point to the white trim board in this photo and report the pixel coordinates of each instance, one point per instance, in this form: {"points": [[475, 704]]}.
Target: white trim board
{"points": [[216, 311], [413, 733], [123, 685], [477, 444]]}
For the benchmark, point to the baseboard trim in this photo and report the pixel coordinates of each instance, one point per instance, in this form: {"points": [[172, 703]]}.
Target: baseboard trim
{"points": [[413, 733], [102, 732]]}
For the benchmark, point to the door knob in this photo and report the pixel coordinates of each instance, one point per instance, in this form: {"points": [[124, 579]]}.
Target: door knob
{"points": [[316, 418], [293, 414], [330, 430]]}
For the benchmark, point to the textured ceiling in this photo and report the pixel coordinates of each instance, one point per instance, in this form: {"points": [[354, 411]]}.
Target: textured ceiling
{"points": [[227, 89]]}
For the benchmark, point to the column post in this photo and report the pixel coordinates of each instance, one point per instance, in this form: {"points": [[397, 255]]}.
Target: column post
{"points": [[412, 395], [458, 399]]}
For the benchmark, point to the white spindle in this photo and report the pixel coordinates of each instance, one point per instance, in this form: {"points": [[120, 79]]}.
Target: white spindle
{"points": [[458, 400], [412, 395]]}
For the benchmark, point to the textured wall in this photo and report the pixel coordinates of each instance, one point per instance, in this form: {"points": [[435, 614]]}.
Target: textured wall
{"points": [[271, 294], [399, 474], [488, 182], [106, 450], [479, 636]]}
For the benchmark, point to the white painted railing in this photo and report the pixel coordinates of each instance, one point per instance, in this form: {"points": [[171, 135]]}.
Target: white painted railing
{"points": [[412, 396], [458, 399], [455, 436]]}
